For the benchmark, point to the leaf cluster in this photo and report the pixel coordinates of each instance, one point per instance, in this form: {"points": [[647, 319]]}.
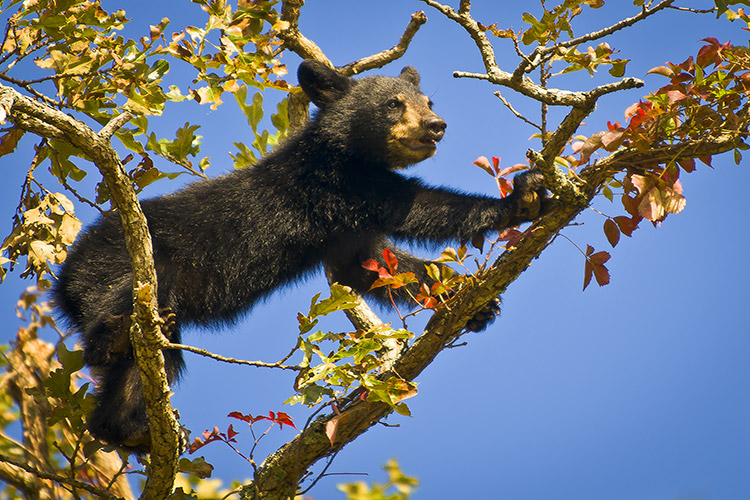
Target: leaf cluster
{"points": [[41, 232], [44, 390], [704, 101], [347, 361]]}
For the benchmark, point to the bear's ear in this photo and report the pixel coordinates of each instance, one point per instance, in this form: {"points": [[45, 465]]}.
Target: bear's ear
{"points": [[321, 84], [411, 75]]}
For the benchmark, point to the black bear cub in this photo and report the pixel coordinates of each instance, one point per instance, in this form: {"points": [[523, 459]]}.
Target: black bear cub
{"points": [[330, 194]]}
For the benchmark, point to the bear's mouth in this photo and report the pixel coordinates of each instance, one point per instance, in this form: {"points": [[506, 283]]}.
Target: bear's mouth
{"points": [[417, 144]]}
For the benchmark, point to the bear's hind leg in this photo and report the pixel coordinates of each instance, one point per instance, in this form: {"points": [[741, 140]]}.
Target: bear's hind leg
{"points": [[119, 417]]}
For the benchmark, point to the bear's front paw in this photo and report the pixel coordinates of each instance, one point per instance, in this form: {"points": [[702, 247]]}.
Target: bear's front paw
{"points": [[485, 317], [529, 195]]}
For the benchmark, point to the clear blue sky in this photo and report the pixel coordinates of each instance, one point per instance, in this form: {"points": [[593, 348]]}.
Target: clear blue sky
{"points": [[638, 390]]}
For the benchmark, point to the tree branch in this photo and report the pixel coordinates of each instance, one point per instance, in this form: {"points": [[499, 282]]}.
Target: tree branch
{"points": [[293, 39], [540, 53], [382, 58], [516, 81], [145, 330]]}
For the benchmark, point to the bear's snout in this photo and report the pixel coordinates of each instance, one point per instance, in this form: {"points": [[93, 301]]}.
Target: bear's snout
{"points": [[435, 127]]}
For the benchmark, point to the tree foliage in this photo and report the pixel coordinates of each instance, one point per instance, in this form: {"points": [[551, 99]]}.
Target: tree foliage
{"points": [[92, 108]]}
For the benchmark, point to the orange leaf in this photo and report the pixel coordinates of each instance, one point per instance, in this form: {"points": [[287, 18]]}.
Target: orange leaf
{"points": [[483, 163], [661, 70]]}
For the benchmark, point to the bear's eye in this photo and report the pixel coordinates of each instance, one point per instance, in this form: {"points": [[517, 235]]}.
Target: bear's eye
{"points": [[393, 103], [429, 103]]}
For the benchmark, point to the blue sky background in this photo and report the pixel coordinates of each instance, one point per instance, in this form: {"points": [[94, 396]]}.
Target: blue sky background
{"points": [[634, 390]]}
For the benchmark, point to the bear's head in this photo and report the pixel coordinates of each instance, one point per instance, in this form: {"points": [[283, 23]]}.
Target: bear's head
{"points": [[382, 119]]}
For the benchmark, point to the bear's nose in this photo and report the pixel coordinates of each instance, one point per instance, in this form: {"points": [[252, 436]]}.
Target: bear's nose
{"points": [[436, 126]]}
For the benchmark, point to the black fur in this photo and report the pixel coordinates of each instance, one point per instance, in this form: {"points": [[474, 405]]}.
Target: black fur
{"points": [[329, 194]]}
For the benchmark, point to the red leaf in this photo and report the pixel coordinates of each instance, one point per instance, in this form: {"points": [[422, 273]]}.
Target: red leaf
{"points": [[588, 272], [372, 265], [590, 145], [331, 427], [709, 54], [601, 273], [626, 224], [512, 236], [631, 205], [651, 206], [390, 260], [706, 160], [612, 232], [496, 164], [512, 169], [426, 301], [505, 187], [245, 418], [613, 139], [478, 242], [687, 164], [9, 141], [283, 419], [595, 267]]}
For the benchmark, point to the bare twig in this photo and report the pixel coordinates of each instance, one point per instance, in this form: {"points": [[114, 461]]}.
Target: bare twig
{"points": [[542, 53], [516, 113], [694, 11], [472, 28], [218, 357], [625, 23]]}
